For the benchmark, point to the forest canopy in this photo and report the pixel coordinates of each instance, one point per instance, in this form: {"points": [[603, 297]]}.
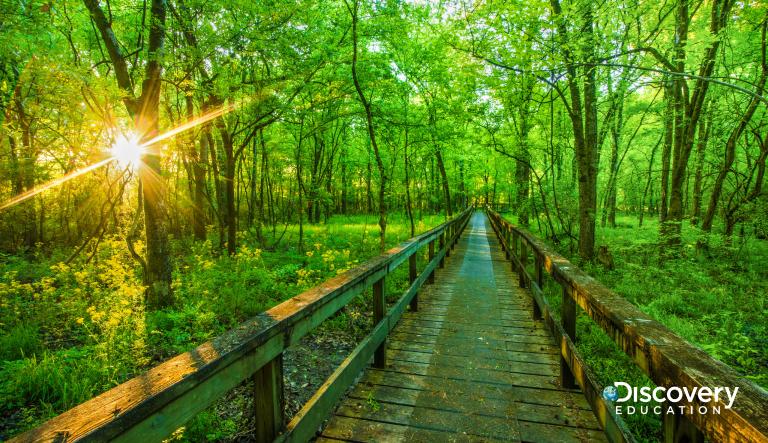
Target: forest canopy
{"points": [[148, 147]]}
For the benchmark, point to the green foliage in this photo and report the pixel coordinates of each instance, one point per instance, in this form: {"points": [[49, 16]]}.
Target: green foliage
{"points": [[53, 382], [22, 340]]}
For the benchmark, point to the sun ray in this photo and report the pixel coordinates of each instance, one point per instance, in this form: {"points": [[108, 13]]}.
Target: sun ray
{"points": [[126, 151], [56, 182], [197, 121]]}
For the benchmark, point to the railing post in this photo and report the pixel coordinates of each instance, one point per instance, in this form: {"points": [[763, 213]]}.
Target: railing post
{"points": [[268, 400], [513, 250], [540, 284], [568, 319], [412, 274], [508, 238], [379, 310], [431, 278], [677, 429], [446, 243], [523, 262]]}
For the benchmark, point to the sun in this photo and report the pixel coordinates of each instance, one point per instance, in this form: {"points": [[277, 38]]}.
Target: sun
{"points": [[127, 151]]}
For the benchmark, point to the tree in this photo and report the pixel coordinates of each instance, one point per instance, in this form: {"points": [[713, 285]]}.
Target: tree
{"points": [[145, 111]]}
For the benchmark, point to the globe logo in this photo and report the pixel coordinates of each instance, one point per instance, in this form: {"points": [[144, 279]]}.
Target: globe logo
{"points": [[610, 393]]}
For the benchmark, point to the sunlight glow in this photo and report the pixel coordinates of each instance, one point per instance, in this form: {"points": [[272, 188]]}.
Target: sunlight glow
{"points": [[127, 151], [38, 189]]}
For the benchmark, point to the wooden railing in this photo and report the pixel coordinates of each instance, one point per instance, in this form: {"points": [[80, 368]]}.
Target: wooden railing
{"points": [[152, 406], [665, 357]]}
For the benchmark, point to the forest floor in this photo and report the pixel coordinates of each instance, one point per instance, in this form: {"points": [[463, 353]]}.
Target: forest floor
{"points": [[716, 298], [70, 332]]}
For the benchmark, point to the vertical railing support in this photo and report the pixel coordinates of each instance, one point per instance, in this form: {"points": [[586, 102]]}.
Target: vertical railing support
{"points": [[508, 238], [513, 250], [379, 310], [568, 318], [446, 243], [412, 274], [440, 245], [431, 278], [523, 262], [540, 284], [677, 429], [268, 400]]}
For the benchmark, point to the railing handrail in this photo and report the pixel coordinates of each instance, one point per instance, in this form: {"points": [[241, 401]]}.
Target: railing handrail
{"points": [[150, 406], [668, 359]]}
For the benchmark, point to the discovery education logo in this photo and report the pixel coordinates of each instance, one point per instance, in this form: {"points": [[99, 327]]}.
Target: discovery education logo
{"points": [[717, 396]]}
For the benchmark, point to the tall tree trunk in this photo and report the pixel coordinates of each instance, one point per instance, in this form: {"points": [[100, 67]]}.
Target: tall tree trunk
{"points": [[584, 122], [730, 145], [197, 169], [698, 181], [688, 110], [444, 180], [344, 182], [407, 181], [666, 151], [145, 111], [371, 135], [522, 167]]}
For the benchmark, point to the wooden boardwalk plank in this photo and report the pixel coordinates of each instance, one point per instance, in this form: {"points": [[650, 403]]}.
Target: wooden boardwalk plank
{"points": [[470, 365]]}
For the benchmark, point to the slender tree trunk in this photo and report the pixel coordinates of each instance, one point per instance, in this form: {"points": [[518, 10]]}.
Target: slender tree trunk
{"points": [[666, 152], [407, 167], [522, 168], [584, 122], [444, 180], [371, 135], [688, 109], [698, 180], [730, 145]]}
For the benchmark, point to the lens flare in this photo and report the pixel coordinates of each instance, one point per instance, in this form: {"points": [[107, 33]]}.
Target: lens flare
{"points": [[127, 151], [44, 187]]}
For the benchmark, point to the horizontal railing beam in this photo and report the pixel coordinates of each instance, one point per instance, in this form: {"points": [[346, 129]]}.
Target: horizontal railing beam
{"points": [[665, 357]]}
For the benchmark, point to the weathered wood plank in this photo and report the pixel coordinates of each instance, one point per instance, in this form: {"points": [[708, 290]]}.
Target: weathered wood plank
{"points": [[520, 356], [476, 375], [473, 404], [268, 401], [417, 322], [484, 426], [496, 339], [361, 430], [474, 362], [482, 388]]}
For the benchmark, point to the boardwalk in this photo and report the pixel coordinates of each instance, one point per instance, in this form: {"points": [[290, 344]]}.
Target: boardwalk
{"points": [[470, 365]]}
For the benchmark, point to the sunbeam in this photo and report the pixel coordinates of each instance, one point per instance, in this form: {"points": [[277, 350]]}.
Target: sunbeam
{"points": [[197, 121], [53, 183], [127, 151]]}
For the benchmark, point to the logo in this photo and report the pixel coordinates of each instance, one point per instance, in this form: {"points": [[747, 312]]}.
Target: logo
{"points": [[698, 399], [610, 393]]}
